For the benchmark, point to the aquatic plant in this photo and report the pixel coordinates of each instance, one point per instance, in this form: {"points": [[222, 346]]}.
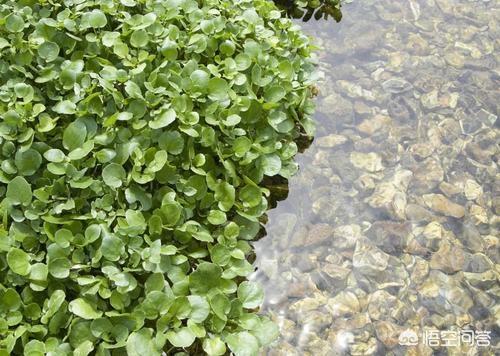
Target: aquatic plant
{"points": [[134, 139], [306, 9]]}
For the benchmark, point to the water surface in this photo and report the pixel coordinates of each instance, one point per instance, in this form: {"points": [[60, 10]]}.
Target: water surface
{"points": [[392, 223]]}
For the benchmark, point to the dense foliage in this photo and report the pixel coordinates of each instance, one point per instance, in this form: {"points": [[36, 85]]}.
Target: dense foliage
{"points": [[134, 139], [306, 9]]}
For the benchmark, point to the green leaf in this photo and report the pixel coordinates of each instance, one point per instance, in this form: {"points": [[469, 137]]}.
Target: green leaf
{"points": [[172, 142], [225, 195], [204, 278], [19, 261], [133, 90], [250, 294], [97, 19], [232, 120], [65, 107], [274, 94], [157, 303], [19, 191], [74, 135], [250, 195], [182, 337], [24, 91], [114, 175], [266, 332], [243, 344], [163, 120], [49, 51], [53, 306], [216, 217], [64, 237], [10, 300], [241, 146], [140, 343], [111, 247], [14, 23], [28, 162], [54, 155], [214, 346], [217, 89], [84, 309], [200, 309], [59, 267], [84, 349], [139, 38], [271, 164]]}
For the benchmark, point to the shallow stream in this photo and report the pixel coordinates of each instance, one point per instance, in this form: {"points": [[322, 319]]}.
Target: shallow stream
{"points": [[392, 224]]}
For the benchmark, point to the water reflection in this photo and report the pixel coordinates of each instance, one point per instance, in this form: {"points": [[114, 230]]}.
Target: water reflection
{"points": [[392, 222]]}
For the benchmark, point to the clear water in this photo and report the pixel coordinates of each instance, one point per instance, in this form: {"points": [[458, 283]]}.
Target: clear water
{"points": [[392, 223]]}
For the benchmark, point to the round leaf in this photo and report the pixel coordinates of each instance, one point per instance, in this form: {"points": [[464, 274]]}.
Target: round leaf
{"points": [[84, 309], [214, 346], [114, 175], [19, 191], [18, 261], [48, 51], [250, 294], [14, 23], [140, 343]]}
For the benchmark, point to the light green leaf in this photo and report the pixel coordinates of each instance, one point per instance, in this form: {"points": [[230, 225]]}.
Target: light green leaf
{"points": [[140, 343], [19, 261], [84, 309], [182, 337], [232, 120], [200, 309], [54, 155], [48, 51], [266, 331], [28, 162], [139, 38], [162, 120], [14, 23], [204, 278], [243, 344], [241, 146], [84, 349], [111, 247], [214, 346], [114, 175], [216, 217], [65, 107], [133, 90], [59, 267], [19, 191], [250, 294], [97, 19], [63, 237], [271, 164], [74, 135], [217, 89], [172, 142], [274, 94], [225, 195]]}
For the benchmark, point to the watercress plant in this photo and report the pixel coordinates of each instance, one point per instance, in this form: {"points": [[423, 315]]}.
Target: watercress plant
{"points": [[134, 139]]}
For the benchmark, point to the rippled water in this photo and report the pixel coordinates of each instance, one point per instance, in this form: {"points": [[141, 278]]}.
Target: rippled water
{"points": [[392, 223]]}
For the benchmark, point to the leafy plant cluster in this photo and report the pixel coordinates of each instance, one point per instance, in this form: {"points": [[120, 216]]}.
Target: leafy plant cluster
{"points": [[134, 139], [306, 9]]}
